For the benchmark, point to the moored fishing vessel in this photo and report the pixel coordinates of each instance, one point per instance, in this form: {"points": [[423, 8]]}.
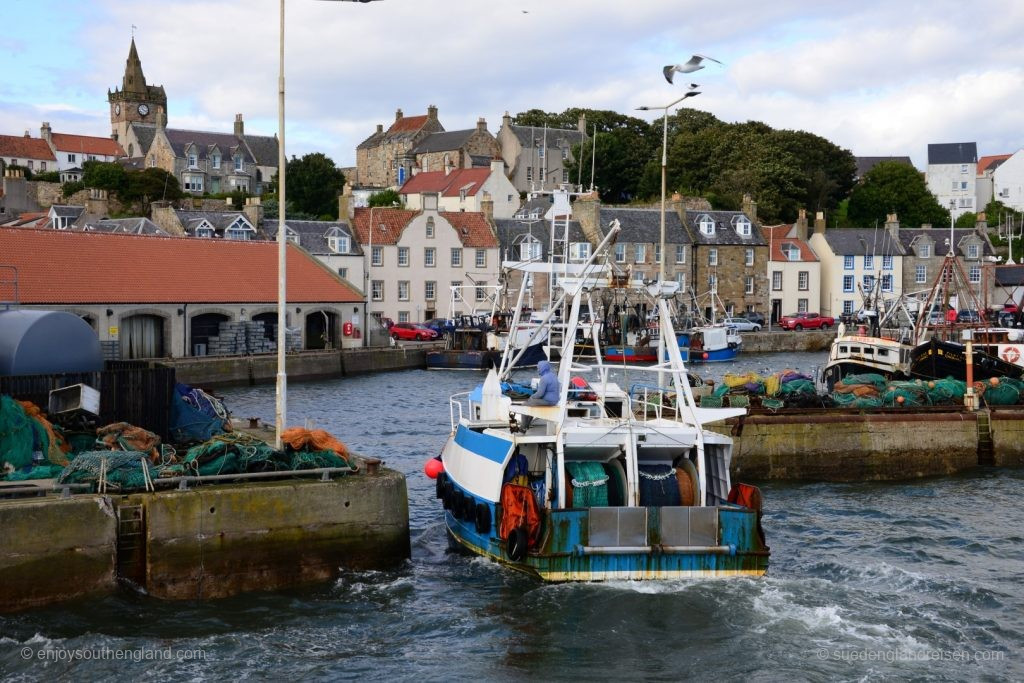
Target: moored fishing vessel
{"points": [[604, 485]]}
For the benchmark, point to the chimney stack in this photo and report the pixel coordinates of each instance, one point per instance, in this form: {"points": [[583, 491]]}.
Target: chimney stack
{"points": [[253, 211], [380, 127], [44, 131], [432, 113], [398, 115], [819, 223], [239, 126], [345, 205], [892, 225], [487, 206], [750, 208], [481, 125], [801, 225]]}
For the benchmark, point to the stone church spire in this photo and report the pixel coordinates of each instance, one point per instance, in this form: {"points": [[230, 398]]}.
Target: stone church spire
{"points": [[134, 80]]}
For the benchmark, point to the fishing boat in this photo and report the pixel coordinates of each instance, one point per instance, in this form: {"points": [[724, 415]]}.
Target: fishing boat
{"points": [[605, 485], [710, 343]]}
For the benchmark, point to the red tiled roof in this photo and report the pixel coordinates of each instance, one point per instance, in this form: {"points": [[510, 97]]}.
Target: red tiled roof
{"points": [[985, 162], [408, 124], [473, 229], [24, 147], [448, 184], [86, 144], [59, 266], [35, 219], [777, 236], [392, 220]]}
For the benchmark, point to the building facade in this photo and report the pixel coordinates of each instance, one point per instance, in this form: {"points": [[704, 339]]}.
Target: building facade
{"points": [[464, 189], [794, 272], [383, 160], [475, 147], [536, 157], [952, 175]]}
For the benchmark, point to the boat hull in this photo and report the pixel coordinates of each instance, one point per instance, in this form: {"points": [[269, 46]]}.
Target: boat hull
{"points": [[938, 359], [456, 359]]}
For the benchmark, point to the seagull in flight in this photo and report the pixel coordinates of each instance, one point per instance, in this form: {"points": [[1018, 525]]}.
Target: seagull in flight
{"points": [[690, 66]]}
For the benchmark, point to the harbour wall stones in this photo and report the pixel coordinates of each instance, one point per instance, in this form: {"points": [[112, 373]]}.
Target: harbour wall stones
{"points": [[782, 342], [1007, 438]]}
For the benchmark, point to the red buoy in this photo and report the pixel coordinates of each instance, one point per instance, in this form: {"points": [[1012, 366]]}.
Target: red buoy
{"points": [[705, 356], [433, 467]]}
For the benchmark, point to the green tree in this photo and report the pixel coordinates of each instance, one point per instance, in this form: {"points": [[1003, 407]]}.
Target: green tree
{"points": [[967, 219], [150, 185], [314, 183], [71, 187], [894, 187], [104, 175], [47, 177], [387, 197]]}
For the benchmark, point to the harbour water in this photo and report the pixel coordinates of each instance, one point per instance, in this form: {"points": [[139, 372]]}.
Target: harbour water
{"points": [[922, 579]]}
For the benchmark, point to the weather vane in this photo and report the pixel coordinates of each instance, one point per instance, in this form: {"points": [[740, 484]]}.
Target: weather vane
{"points": [[133, 31]]}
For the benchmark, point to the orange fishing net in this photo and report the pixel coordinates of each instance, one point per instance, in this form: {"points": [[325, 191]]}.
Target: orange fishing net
{"points": [[121, 436], [320, 440], [58, 446]]}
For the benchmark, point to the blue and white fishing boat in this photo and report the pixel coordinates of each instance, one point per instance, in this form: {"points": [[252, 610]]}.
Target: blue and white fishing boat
{"points": [[608, 484], [710, 344]]}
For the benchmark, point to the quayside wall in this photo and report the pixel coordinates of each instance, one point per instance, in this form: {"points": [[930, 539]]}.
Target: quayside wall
{"points": [[207, 541]]}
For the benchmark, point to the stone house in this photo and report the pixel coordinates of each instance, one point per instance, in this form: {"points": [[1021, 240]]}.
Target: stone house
{"points": [[383, 159], [228, 223], [472, 148], [416, 257], [463, 189], [952, 175], [852, 260], [72, 151], [27, 152], [794, 271], [216, 281], [536, 156]]}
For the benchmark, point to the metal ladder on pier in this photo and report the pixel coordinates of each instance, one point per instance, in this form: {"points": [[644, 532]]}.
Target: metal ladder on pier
{"points": [[986, 454], [131, 544]]}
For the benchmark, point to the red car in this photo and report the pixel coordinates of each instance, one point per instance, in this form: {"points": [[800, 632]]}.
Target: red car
{"points": [[806, 321], [412, 332]]}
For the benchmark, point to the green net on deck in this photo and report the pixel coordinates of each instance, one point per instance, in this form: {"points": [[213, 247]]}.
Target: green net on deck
{"points": [[589, 484], [231, 453], [126, 470], [869, 378], [311, 460], [905, 394], [947, 391], [37, 472], [854, 401], [1005, 391], [20, 435], [798, 387]]}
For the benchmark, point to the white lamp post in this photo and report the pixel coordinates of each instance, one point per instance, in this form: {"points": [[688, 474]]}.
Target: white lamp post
{"points": [[280, 417]]}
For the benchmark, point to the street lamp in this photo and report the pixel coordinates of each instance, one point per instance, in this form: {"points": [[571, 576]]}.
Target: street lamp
{"points": [[280, 417]]}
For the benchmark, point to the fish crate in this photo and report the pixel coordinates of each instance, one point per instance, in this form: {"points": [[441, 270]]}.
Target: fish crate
{"points": [[77, 397]]}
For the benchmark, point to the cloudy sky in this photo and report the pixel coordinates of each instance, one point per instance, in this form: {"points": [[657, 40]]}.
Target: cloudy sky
{"points": [[878, 77]]}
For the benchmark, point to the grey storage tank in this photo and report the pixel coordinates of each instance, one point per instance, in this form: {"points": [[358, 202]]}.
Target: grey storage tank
{"points": [[45, 342]]}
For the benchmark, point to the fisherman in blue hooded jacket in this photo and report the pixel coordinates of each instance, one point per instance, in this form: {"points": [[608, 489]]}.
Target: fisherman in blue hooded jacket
{"points": [[548, 391]]}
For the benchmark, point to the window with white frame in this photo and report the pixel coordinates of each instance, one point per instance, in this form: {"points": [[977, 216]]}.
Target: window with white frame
{"points": [[639, 275], [531, 248], [620, 253], [791, 251], [920, 274], [579, 251], [343, 272], [801, 305], [429, 257], [847, 283], [338, 243], [193, 160], [430, 227], [966, 203], [803, 280], [712, 257], [748, 284], [639, 253], [887, 262], [216, 160], [707, 225], [657, 253], [540, 151], [680, 253], [456, 258], [403, 317], [430, 290], [869, 282], [924, 251], [293, 237], [193, 183], [956, 185], [403, 290], [887, 283], [377, 290], [742, 225], [847, 306], [377, 255], [565, 175], [71, 159], [869, 261], [974, 274], [748, 257], [403, 257], [204, 231], [238, 163], [481, 258], [847, 262], [239, 230], [776, 280], [481, 293], [972, 251]]}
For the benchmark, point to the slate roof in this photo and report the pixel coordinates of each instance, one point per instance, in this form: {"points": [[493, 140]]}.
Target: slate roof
{"points": [[127, 226], [725, 232], [865, 164], [86, 144], [67, 211], [778, 237], [861, 241], [206, 142], [511, 232], [60, 267], [939, 237], [443, 142], [1009, 276], [220, 220], [447, 184], [144, 134], [480, 160], [263, 148], [34, 219], [530, 136], [953, 153], [313, 234], [373, 140], [644, 225], [991, 162], [24, 147]]}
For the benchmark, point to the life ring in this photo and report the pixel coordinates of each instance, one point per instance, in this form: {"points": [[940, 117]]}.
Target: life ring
{"points": [[483, 518], [518, 539], [1011, 354]]}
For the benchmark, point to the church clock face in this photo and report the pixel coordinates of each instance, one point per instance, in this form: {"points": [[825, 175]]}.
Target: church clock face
{"points": [[143, 109], [117, 109]]}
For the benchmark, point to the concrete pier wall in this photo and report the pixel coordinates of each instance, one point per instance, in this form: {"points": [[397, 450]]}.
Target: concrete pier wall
{"points": [[1007, 427], [781, 342]]}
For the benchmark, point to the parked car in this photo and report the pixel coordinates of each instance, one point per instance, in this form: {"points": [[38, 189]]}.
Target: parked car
{"points": [[806, 321], [742, 324], [968, 316], [754, 317], [440, 325], [412, 331]]}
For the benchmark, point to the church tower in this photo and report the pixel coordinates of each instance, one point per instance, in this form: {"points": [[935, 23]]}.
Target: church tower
{"points": [[135, 102]]}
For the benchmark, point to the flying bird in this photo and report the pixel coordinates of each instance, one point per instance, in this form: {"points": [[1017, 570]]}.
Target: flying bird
{"points": [[690, 66]]}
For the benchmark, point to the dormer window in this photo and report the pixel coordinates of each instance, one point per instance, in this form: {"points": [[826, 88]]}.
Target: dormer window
{"points": [[338, 241], [529, 249], [238, 163], [216, 160], [972, 251], [791, 251], [742, 225], [205, 232], [707, 225], [579, 251], [193, 160], [239, 230], [925, 251]]}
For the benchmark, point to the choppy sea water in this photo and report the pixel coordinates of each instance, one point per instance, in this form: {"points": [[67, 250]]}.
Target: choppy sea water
{"points": [[921, 579]]}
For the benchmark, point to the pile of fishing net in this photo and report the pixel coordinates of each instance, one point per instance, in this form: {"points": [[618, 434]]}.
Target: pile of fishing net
{"points": [[30, 446], [1000, 391], [312, 449], [117, 471], [787, 387], [196, 416], [859, 391]]}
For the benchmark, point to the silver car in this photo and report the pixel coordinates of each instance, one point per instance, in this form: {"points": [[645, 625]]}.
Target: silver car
{"points": [[742, 324]]}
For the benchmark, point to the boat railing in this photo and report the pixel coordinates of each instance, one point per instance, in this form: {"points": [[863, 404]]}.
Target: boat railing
{"points": [[455, 408], [652, 401]]}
